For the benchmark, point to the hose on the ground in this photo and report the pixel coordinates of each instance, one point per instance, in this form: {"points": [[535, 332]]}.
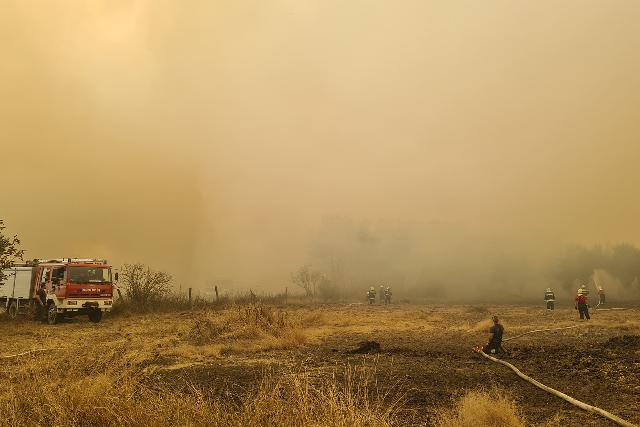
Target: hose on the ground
{"points": [[38, 350], [540, 330], [579, 404]]}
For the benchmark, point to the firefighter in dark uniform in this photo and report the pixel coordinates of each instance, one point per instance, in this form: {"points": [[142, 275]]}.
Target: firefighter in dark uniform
{"points": [[371, 295], [387, 295], [495, 339], [549, 298]]}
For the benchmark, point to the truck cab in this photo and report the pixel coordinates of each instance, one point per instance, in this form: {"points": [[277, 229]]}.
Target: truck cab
{"points": [[71, 287]]}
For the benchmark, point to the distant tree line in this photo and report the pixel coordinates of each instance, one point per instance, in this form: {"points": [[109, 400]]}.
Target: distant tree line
{"points": [[579, 262]]}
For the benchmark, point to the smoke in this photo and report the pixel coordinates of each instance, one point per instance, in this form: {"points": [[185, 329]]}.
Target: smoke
{"points": [[432, 145]]}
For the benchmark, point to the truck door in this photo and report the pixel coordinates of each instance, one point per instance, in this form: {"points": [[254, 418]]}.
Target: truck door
{"points": [[58, 281], [44, 281]]}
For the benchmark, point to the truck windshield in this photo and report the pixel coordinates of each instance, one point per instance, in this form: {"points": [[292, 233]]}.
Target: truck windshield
{"points": [[89, 275]]}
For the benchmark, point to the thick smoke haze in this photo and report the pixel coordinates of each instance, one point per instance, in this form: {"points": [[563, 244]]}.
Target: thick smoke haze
{"points": [[456, 145]]}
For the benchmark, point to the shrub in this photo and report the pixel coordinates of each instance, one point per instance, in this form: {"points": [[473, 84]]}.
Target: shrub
{"points": [[144, 286], [482, 409]]}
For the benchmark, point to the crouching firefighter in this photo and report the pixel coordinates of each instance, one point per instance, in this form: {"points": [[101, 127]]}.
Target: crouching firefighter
{"points": [[495, 339]]}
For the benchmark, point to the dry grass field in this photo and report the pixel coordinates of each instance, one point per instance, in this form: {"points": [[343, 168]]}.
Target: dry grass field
{"points": [[254, 365]]}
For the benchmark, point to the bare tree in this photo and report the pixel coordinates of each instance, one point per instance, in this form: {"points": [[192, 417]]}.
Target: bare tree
{"points": [[308, 280], [143, 285], [9, 252]]}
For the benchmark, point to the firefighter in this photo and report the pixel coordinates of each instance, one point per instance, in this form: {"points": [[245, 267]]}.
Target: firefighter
{"points": [[550, 299], [381, 295], [601, 298], [582, 305], [387, 295], [494, 345], [371, 295]]}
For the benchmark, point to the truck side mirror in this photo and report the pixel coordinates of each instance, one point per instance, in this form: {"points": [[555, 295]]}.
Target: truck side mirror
{"points": [[116, 276]]}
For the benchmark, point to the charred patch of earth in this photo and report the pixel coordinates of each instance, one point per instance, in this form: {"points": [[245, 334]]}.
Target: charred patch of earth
{"points": [[228, 381], [624, 341], [366, 347]]}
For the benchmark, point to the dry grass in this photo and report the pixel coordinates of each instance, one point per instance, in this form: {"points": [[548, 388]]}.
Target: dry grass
{"points": [[482, 409], [297, 400], [94, 388], [108, 373], [253, 327]]}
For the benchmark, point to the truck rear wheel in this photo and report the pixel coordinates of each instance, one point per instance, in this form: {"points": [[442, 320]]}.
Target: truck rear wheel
{"points": [[12, 310], [52, 314], [95, 316]]}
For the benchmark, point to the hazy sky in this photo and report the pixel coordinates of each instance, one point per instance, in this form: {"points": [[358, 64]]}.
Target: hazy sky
{"points": [[215, 139]]}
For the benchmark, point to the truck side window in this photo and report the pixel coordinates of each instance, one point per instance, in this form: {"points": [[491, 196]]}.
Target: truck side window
{"points": [[57, 275]]}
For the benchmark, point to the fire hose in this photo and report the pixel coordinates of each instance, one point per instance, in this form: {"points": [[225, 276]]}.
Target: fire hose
{"points": [[579, 404], [540, 330], [38, 350]]}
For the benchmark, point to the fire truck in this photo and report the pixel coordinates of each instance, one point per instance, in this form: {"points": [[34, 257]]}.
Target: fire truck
{"points": [[58, 288]]}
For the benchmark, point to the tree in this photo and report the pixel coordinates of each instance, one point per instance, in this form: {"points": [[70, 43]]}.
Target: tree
{"points": [[328, 290], [143, 285], [625, 263], [308, 280], [577, 265], [9, 252]]}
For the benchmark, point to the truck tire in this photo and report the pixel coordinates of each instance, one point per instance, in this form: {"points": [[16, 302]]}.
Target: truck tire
{"points": [[12, 310], [52, 314], [95, 316]]}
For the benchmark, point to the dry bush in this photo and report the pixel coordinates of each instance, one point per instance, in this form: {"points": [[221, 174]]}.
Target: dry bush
{"points": [[143, 286], [264, 327], [482, 409], [314, 318]]}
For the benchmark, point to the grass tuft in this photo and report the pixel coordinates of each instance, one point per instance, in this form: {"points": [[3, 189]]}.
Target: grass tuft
{"points": [[482, 409]]}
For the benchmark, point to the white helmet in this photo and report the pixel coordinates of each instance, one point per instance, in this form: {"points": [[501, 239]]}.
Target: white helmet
{"points": [[372, 289]]}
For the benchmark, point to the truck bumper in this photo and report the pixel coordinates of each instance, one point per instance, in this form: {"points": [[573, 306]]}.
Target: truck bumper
{"points": [[81, 306]]}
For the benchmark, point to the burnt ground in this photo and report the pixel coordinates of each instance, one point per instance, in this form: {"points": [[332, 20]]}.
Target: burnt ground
{"points": [[598, 363]]}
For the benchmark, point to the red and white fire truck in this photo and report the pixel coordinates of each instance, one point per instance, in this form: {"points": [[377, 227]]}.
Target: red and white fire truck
{"points": [[58, 288]]}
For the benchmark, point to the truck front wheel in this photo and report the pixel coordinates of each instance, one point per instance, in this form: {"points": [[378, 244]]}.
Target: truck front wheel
{"points": [[95, 316], [52, 314]]}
